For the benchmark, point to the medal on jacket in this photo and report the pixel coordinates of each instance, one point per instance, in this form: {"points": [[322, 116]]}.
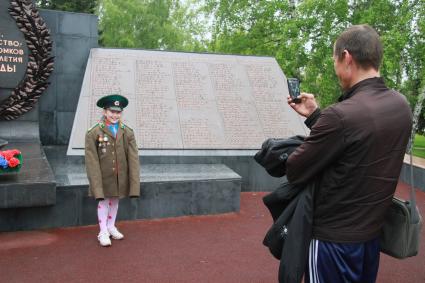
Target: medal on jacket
{"points": [[106, 140], [102, 142]]}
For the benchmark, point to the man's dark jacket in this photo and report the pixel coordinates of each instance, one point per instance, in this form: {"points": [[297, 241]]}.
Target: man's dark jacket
{"points": [[357, 148], [275, 152], [291, 207]]}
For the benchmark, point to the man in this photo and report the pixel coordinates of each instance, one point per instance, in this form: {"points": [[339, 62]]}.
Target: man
{"points": [[355, 149]]}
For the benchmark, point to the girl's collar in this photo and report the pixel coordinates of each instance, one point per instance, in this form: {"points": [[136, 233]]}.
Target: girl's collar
{"points": [[107, 123]]}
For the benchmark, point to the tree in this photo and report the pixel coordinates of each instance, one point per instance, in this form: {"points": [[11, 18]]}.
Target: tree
{"points": [[151, 24], [415, 66], [300, 35], [81, 6]]}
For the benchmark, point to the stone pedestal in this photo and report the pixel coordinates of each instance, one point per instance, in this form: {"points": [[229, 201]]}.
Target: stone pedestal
{"points": [[3, 143], [167, 190], [34, 185]]}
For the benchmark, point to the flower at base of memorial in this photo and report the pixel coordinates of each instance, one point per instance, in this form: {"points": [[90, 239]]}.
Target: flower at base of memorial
{"points": [[10, 160], [3, 163], [13, 162]]}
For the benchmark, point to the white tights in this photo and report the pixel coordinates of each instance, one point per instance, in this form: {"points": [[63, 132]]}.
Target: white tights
{"points": [[107, 210]]}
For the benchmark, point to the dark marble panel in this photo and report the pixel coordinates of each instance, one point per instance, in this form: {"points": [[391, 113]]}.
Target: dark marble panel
{"points": [[255, 178], [51, 19], [64, 126], [173, 199], [19, 130], [29, 218], [68, 92], [71, 54], [3, 198], [158, 199], [130, 209], [88, 214], [147, 204], [31, 115], [66, 211], [78, 24], [8, 219], [94, 31], [185, 172], [216, 197], [34, 184], [29, 195], [47, 101], [48, 131]]}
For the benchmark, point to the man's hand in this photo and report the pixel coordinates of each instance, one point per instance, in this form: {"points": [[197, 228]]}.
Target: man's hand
{"points": [[307, 105]]}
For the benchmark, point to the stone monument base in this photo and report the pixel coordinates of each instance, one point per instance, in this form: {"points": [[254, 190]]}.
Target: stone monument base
{"points": [[34, 185], [168, 190], [3, 143]]}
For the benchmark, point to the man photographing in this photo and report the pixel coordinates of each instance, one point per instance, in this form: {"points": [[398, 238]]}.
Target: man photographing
{"points": [[355, 149]]}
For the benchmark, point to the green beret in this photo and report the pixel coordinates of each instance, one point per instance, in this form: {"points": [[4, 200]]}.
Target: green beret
{"points": [[114, 102]]}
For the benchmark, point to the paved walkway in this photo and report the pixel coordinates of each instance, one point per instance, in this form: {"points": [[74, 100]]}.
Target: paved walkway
{"points": [[223, 248], [417, 161]]}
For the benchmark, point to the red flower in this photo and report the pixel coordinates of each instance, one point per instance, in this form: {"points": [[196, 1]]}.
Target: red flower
{"points": [[13, 162], [8, 154]]}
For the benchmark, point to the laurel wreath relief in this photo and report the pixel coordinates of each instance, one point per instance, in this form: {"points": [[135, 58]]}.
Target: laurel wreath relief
{"points": [[40, 63]]}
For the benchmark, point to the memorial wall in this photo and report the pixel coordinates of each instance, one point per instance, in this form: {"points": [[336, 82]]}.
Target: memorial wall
{"points": [[188, 100]]}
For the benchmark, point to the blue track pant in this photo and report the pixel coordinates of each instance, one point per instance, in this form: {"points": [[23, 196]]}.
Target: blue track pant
{"points": [[340, 262]]}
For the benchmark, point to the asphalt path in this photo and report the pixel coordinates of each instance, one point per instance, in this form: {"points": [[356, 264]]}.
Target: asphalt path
{"points": [[216, 248]]}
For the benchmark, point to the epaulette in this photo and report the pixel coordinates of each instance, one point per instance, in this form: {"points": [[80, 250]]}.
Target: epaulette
{"points": [[92, 127], [123, 126]]}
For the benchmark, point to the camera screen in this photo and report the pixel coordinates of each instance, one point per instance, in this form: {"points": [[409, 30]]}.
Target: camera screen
{"points": [[294, 87]]}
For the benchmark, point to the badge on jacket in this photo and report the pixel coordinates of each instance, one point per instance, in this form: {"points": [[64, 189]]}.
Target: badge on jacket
{"points": [[103, 141]]}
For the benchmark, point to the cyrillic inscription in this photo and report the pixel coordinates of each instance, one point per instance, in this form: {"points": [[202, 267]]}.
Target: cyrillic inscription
{"points": [[188, 100]]}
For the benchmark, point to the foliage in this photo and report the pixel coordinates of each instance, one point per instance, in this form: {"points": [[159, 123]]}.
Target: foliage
{"points": [[150, 24], [81, 6], [300, 35], [419, 146]]}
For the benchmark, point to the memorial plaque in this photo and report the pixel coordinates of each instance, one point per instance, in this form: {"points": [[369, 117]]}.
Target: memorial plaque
{"points": [[13, 50], [188, 101]]}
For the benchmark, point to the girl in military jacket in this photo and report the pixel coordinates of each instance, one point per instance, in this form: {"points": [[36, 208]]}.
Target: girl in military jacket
{"points": [[112, 165]]}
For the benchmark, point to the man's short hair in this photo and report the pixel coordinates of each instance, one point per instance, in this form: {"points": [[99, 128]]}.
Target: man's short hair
{"points": [[363, 43]]}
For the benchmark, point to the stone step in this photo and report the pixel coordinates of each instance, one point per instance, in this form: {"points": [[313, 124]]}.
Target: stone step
{"points": [[168, 190], [34, 185]]}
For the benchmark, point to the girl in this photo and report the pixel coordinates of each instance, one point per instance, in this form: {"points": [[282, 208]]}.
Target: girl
{"points": [[112, 165]]}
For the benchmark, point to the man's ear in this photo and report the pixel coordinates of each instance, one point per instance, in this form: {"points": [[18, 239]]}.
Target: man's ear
{"points": [[347, 57]]}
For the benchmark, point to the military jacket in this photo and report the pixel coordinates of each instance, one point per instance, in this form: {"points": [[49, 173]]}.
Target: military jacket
{"points": [[112, 164]]}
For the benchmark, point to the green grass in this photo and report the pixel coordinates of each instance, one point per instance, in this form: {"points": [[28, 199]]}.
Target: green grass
{"points": [[419, 146]]}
